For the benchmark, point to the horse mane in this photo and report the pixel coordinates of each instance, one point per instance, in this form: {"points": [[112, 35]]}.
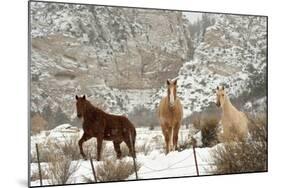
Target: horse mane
{"points": [[166, 105], [228, 105], [90, 109]]}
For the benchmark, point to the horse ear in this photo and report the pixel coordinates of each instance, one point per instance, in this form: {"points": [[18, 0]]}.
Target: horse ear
{"points": [[222, 87], [76, 97], [175, 82], [217, 87], [168, 82], [84, 97]]}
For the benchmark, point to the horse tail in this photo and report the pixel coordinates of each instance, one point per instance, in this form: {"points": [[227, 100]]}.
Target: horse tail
{"points": [[131, 130], [133, 135]]}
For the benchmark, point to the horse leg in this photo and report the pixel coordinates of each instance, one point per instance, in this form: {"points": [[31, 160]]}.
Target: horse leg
{"points": [[170, 135], [99, 146], [175, 137], [166, 137], [171, 132], [83, 139], [129, 143], [117, 149]]}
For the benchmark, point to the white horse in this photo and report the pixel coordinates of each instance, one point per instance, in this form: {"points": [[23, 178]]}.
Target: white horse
{"points": [[234, 122]]}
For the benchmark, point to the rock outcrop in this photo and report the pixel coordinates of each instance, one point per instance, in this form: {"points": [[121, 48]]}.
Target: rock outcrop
{"points": [[121, 57], [76, 48]]}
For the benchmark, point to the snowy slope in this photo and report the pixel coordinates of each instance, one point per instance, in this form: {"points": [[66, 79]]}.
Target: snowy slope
{"points": [[175, 164], [153, 164]]}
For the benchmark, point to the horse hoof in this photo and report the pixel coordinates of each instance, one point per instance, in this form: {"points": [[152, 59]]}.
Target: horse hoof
{"points": [[84, 157], [133, 156]]}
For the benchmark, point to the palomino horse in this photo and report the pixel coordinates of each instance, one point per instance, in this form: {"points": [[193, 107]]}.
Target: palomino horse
{"points": [[170, 116], [104, 126], [234, 122]]}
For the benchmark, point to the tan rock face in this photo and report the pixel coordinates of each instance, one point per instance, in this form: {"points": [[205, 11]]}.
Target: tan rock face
{"points": [[125, 48], [74, 49]]}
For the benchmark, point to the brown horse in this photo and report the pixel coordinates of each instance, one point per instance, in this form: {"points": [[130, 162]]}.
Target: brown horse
{"points": [[170, 116], [234, 122], [104, 126]]}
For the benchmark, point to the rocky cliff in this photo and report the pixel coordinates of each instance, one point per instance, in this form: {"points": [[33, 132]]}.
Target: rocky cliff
{"points": [[121, 57], [231, 52], [76, 48]]}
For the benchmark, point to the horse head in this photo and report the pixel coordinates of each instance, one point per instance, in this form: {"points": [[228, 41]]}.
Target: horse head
{"points": [[80, 105], [221, 95], [172, 92]]}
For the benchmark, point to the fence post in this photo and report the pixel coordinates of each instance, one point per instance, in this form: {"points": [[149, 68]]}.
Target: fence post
{"points": [[39, 166], [93, 169], [134, 156], [194, 154]]}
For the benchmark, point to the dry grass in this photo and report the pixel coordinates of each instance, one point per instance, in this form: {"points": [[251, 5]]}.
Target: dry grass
{"points": [[124, 149], [207, 123], [68, 148], [61, 168], [115, 170], [144, 148], [209, 129], [244, 156], [90, 148], [35, 175], [59, 159], [258, 126], [44, 152], [231, 136]]}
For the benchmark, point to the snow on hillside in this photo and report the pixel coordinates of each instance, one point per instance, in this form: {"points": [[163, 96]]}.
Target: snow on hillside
{"points": [[198, 92], [86, 50], [229, 48]]}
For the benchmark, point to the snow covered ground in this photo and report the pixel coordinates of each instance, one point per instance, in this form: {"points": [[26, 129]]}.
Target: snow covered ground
{"points": [[152, 161], [175, 164]]}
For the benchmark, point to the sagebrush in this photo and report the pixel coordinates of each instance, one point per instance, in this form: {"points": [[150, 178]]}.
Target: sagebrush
{"points": [[115, 170], [244, 156], [61, 169]]}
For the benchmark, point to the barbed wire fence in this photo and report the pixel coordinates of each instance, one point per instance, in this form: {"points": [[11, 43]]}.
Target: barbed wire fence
{"points": [[91, 167]]}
